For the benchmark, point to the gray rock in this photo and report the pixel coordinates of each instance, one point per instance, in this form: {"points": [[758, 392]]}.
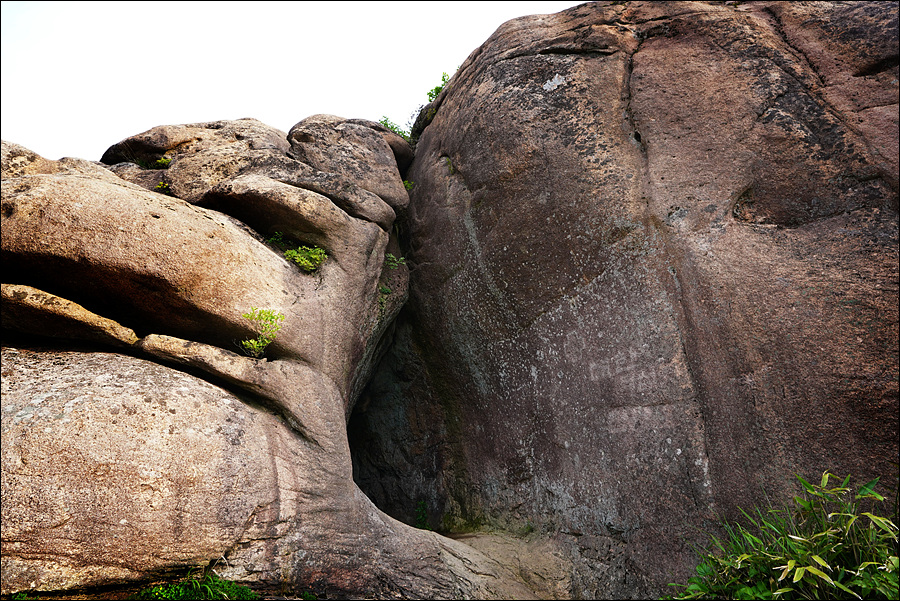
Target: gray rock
{"points": [[654, 276]]}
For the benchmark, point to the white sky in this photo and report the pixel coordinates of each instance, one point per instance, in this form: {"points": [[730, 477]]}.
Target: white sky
{"points": [[77, 77]]}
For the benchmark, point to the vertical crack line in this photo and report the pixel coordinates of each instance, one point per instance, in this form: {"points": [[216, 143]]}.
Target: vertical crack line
{"points": [[628, 124], [634, 136]]}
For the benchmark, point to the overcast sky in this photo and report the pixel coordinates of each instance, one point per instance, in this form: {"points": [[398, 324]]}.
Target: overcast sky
{"points": [[78, 77]]}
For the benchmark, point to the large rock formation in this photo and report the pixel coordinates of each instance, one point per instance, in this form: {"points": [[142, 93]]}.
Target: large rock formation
{"points": [[654, 260], [655, 269], [157, 448]]}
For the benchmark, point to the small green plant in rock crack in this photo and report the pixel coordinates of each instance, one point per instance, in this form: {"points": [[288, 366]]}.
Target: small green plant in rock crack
{"points": [[382, 298], [408, 184], [162, 163], [277, 239], [308, 258], [394, 262], [164, 188], [266, 323], [422, 516], [403, 133]]}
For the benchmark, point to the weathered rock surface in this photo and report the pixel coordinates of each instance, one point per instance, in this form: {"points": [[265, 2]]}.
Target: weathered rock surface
{"points": [[655, 274], [117, 469], [177, 452]]}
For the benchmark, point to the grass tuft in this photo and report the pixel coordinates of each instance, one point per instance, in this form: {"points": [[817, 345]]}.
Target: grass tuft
{"points": [[209, 586]]}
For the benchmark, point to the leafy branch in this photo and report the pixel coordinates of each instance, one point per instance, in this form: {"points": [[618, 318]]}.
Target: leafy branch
{"points": [[266, 323]]}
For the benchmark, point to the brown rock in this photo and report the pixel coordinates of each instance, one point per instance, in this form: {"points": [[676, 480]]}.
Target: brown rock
{"points": [[403, 152], [164, 472], [655, 263], [654, 275], [857, 73], [96, 486], [35, 311], [206, 155], [353, 149], [188, 473]]}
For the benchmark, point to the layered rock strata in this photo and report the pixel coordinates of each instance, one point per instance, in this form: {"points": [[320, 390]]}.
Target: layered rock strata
{"points": [[138, 442]]}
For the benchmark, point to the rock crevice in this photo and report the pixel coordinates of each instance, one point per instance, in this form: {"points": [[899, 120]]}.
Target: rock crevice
{"points": [[649, 272]]}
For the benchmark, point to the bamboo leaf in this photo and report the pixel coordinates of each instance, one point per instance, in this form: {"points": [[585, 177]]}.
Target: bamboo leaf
{"points": [[798, 574], [867, 489], [865, 564], [821, 562], [820, 574], [790, 566], [803, 503], [784, 590], [846, 590], [848, 515], [883, 523], [809, 487]]}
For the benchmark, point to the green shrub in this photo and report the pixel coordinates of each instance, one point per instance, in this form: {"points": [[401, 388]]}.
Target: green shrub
{"points": [[265, 322], [831, 545], [308, 258], [435, 91], [403, 133], [209, 586], [384, 293], [161, 163], [278, 240], [163, 188], [394, 262], [422, 516]]}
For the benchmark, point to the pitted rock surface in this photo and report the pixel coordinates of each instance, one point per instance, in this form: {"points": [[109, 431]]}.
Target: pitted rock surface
{"points": [[654, 250], [651, 261]]}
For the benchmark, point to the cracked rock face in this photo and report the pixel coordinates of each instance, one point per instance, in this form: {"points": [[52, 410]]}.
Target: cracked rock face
{"points": [[654, 250], [137, 442]]}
